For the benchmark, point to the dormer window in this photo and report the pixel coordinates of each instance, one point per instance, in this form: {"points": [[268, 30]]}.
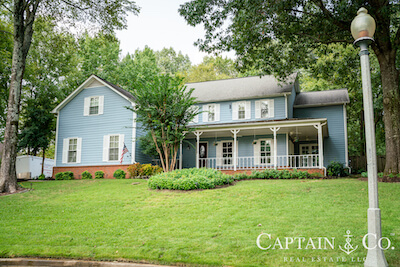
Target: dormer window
{"points": [[93, 105]]}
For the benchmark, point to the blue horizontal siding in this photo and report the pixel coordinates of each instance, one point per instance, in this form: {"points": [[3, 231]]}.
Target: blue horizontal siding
{"points": [[116, 119], [226, 110], [334, 145]]}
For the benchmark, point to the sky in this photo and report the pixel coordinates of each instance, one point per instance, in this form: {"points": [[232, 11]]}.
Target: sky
{"points": [[159, 25]]}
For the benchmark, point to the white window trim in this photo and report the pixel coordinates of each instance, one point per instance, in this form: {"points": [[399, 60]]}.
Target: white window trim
{"points": [[86, 106], [235, 110], [196, 118], [106, 146], [270, 108], [66, 149], [219, 152], [257, 151], [216, 112]]}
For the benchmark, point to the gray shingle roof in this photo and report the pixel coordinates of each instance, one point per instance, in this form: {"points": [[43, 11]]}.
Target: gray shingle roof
{"points": [[319, 98], [116, 87], [241, 88]]}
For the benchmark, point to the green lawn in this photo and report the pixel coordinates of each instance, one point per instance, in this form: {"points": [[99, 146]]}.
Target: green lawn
{"points": [[113, 219]]}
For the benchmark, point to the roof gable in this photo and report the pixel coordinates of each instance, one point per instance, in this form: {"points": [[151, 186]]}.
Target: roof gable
{"points": [[241, 88], [91, 82]]}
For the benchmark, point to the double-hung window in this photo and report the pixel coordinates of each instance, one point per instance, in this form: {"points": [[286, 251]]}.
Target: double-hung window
{"points": [[241, 110], [93, 105], [211, 112], [264, 108], [112, 147], [72, 148]]}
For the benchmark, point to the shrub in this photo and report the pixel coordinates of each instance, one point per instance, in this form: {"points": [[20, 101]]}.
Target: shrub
{"points": [[336, 169], [119, 174], [134, 170], [146, 170], [99, 175], [157, 169], [364, 174], [59, 176], [315, 175], [189, 179], [41, 177], [86, 175], [68, 175]]}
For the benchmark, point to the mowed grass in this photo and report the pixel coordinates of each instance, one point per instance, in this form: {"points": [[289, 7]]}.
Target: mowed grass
{"points": [[116, 220]]}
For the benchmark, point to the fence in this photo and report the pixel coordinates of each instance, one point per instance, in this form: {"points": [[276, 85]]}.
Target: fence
{"points": [[360, 162]]}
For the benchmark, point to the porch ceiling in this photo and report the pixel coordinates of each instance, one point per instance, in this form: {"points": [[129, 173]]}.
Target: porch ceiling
{"points": [[301, 130]]}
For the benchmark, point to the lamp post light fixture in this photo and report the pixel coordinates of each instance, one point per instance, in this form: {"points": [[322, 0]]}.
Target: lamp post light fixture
{"points": [[363, 29]]}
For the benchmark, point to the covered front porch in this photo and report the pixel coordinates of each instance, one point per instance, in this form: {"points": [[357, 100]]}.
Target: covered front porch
{"points": [[284, 144]]}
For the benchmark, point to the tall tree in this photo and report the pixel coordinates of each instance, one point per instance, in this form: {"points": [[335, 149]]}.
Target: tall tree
{"points": [[212, 68], [170, 62], [108, 15], [280, 36], [164, 107]]}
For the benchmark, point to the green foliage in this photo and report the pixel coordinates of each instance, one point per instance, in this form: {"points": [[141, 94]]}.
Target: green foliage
{"points": [[212, 68], [170, 62], [59, 176], [189, 179], [364, 174], [164, 107], [41, 177], [99, 175], [68, 175], [335, 168], [274, 174], [119, 174], [138, 170], [86, 175]]}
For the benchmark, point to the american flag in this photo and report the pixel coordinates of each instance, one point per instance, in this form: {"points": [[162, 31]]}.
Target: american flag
{"points": [[125, 150]]}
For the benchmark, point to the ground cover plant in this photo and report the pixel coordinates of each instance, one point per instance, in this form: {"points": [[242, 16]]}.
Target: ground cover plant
{"points": [[189, 179], [116, 220]]}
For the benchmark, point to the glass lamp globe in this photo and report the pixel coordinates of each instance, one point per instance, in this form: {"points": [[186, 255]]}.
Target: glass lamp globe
{"points": [[363, 25]]}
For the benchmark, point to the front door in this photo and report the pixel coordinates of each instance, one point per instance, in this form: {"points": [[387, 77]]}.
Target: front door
{"points": [[203, 153]]}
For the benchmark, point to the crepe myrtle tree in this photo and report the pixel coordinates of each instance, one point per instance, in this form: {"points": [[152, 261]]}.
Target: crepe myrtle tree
{"points": [[164, 106], [280, 37], [105, 15]]}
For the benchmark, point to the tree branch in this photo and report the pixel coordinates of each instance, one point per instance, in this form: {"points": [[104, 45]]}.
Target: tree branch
{"points": [[328, 14], [6, 32], [74, 5], [9, 10]]}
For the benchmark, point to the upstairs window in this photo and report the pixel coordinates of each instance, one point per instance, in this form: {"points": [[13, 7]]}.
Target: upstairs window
{"points": [[211, 112], [93, 105], [264, 109], [241, 110]]}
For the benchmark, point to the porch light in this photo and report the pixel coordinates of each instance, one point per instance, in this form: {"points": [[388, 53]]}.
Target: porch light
{"points": [[363, 29]]}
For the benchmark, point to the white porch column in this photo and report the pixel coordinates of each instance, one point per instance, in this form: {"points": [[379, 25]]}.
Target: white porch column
{"points": [[275, 130], [320, 145], [197, 134], [234, 131]]}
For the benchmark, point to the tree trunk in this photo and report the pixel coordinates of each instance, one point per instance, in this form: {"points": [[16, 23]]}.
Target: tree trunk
{"points": [[43, 159], [24, 16], [391, 108]]}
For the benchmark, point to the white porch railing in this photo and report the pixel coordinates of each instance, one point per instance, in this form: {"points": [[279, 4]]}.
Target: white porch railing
{"points": [[287, 162]]}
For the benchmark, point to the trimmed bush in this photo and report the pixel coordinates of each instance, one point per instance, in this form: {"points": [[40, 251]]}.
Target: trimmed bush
{"points": [[274, 174], [68, 175], [138, 170], [59, 176], [189, 179], [41, 177], [99, 175], [86, 175], [119, 174]]}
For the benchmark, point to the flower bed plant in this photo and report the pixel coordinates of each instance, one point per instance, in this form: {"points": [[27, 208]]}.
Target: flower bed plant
{"points": [[189, 179], [276, 174]]}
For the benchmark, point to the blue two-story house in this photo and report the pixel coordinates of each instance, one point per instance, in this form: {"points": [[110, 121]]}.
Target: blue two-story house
{"points": [[244, 123]]}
